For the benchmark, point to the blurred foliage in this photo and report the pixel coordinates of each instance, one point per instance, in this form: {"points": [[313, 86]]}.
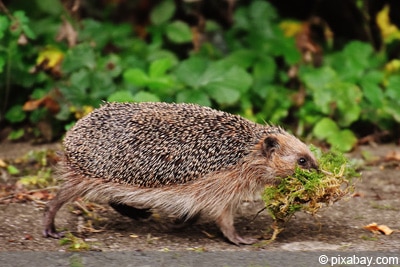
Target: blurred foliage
{"points": [[61, 59]]}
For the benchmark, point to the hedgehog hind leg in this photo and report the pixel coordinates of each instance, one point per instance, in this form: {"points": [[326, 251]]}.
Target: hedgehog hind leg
{"points": [[67, 193], [129, 211]]}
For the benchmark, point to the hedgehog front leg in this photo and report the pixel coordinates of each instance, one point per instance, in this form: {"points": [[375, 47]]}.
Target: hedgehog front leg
{"points": [[226, 224]]}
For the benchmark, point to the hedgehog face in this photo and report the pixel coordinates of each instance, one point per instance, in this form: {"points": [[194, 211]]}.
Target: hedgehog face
{"points": [[284, 152]]}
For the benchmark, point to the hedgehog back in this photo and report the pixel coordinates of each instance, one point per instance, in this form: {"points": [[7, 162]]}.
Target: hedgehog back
{"points": [[157, 144]]}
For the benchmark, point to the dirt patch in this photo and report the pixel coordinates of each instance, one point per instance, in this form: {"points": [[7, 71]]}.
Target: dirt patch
{"points": [[339, 227]]}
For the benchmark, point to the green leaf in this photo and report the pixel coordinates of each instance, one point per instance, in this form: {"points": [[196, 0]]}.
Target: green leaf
{"points": [[223, 95], [15, 114], [348, 96], [80, 79], [262, 11], [121, 96], [264, 69], [315, 79], [50, 7], [11, 169], [159, 54], [190, 71], [325, 128], [179, 32], [4, 24], [145, 97], [101, 85], [243, 58], [162, 12], [393, 88], [161, 85], [159, 67], [371, 89], [16, 134], [219, 74], [193, 96], [343, 141], [2, 64], [224, 84], [136, 77], [359, 52], [24, 24], [80, 56]]}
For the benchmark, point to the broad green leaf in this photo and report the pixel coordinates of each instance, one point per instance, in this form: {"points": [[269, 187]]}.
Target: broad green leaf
{"points": [[262, 11], [95, 32], [193, 96], [23, 23], [145, 97], [80, 56], [348, 97], [159, 54], [162, 12], [358, 52], [325, 128], [223, 84], [80, 79], [393, 88], [4, 24], [316, 79], [179, 32], [102, 85], [223, 95], [161, 85], [159, 67], [136, 77], [393, 108], [2, 64], [15, 114], [121, 96], [264, 69], [50, 7], [219, 74], [111, 65], [343, 140], [243, 58], [241, 19], [238, 79], [190, 71], [371, 88]]}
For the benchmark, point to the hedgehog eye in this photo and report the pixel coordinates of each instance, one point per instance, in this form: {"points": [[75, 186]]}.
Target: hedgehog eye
{"points": [[302, 161]]}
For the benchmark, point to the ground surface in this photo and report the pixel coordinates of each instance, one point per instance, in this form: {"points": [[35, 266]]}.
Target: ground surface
{"points": [[338, 229]]}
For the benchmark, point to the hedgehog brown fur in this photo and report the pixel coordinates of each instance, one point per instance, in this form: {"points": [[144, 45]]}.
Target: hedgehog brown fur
{"points": [[181, 158]]}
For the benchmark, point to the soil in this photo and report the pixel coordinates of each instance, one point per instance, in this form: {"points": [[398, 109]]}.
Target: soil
{"points": [[336, 228]]}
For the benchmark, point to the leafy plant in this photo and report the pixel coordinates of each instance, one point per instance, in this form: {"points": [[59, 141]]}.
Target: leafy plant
{"points": [[60, 66]]}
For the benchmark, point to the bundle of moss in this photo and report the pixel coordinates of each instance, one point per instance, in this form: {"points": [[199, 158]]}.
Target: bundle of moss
{"points": [[308, 190]]}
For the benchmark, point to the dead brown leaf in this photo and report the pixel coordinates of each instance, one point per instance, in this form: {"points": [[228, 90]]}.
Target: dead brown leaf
{"points": [[68, 33], [393, 156], [378, 229], [47, 101]]}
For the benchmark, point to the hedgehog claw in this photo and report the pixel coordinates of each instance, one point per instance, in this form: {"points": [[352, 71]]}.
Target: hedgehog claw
{"points": [[52, 233]]}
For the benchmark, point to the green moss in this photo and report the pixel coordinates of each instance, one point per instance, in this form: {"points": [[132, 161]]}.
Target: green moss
{"points": [[308, 190]]}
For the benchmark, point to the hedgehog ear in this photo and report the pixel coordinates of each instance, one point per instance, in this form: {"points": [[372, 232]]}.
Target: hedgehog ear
{"points": [[270, 145]]}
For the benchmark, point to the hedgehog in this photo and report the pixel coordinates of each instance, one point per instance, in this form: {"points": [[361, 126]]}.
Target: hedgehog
{"points": [[186, 160]]}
